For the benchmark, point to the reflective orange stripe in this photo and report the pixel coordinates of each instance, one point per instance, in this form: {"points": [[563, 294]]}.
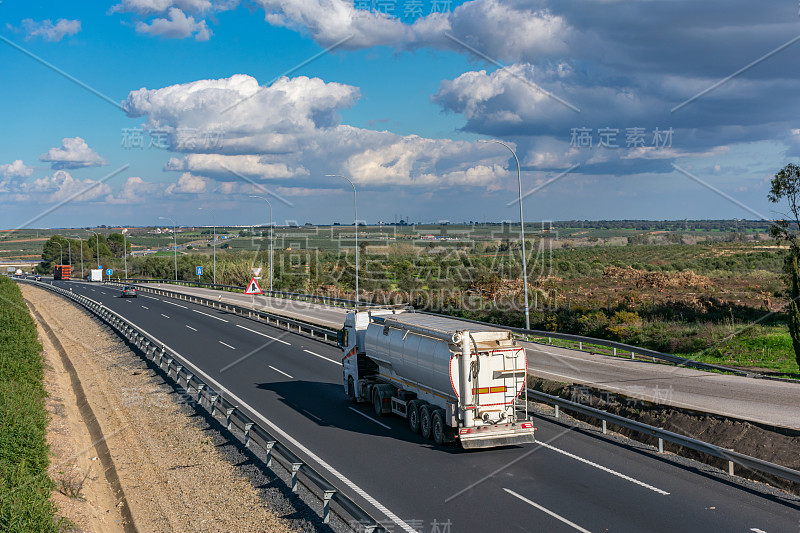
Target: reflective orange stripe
{"points": [[488, 390]]}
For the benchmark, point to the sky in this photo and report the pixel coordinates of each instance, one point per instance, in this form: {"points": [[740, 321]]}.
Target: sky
{"points": [[123, 112]]}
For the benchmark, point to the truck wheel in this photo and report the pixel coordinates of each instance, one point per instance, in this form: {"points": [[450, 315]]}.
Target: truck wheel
{"points": [[351, 390], [377, 402], [425, 421], [438, 428], [413, 416]]}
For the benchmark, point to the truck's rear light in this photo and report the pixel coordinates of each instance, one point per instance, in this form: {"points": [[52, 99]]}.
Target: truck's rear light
{"points": [[464, 431], [386, 400], [526, 425]]}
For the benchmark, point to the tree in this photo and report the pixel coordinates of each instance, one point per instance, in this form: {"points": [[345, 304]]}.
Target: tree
{"points": [[786, 186]]}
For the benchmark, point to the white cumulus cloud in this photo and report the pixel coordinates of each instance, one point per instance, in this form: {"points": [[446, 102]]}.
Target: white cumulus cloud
{"points": [[73, 153], [48, 30], [176, 25]]}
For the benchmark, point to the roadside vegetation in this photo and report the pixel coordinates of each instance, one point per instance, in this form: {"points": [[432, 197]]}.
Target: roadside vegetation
{"points": [[714, 291], [25, 487]]}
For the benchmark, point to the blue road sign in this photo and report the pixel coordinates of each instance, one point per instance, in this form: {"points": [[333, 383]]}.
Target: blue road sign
{"points": [[199, 270], [109, 272], [99, 267]]}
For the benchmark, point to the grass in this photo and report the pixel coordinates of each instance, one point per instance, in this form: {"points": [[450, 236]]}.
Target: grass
{"points": [[24, 484]]}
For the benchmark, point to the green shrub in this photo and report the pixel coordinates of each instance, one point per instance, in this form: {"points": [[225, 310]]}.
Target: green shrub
{"points": [[24, 484]]}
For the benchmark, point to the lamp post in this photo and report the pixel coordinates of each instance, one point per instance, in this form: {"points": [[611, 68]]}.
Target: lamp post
{"points": [[270, 239], [175, 248], [355, 220], [98, 250], [125, 251], [62, 252], [214, 219], [521, 232]]}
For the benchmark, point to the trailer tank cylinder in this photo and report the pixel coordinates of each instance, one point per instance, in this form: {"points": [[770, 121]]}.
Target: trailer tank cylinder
{"points": [[466, 386]]}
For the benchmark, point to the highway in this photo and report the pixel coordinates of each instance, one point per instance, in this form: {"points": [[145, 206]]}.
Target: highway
{"points": [[764, 401], [570, 480]]}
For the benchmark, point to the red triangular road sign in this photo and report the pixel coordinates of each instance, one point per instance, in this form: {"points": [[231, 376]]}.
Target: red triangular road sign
{"points": [[253, 287]]}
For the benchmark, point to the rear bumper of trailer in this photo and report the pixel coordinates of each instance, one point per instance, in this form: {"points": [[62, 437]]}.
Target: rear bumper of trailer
{"points": [[500, 435]]}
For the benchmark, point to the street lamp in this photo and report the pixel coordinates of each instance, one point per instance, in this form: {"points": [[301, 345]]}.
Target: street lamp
{"points": [[214, 219], [125, 251], [175, 249], [355, 220], [270, 239], [521, 231], [62, 252], [98, 250]]}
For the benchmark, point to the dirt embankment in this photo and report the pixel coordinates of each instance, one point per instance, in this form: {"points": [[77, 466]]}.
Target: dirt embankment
{"points": [[125, 457], [773, 444]]}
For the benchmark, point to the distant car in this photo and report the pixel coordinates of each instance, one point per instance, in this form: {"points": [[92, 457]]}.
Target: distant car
{"points": [[38, 278], [128, 292]]}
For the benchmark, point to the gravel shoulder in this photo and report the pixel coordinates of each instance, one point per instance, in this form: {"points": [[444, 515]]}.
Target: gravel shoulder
{"points": [[154, 468]]}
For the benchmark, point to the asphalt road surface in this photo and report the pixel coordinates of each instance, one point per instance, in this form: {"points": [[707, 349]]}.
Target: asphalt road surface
{"points": [[765, 401], [570, 480]]}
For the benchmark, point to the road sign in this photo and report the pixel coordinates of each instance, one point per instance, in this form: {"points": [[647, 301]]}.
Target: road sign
{"points": [[199, 270], [253, 288], [109, 272], [256, 272], [99, 267]]}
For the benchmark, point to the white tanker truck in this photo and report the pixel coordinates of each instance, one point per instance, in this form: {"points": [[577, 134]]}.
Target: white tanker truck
{"points": [[453, 380]]}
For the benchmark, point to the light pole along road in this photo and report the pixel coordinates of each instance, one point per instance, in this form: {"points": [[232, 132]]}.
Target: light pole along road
{"points": [[174, 248], [98, 248], [270, 238], [521, 232], [355, 220], [213, 219]]}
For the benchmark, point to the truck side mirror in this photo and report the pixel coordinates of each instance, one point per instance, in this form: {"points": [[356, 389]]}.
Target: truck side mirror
{"points": [[341, 337]]}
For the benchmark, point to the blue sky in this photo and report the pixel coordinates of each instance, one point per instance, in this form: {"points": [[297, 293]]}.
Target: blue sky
{"points": [[399, 105]]}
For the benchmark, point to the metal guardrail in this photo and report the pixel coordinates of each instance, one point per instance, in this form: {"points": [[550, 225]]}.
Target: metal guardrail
{"points": [[520, 332], [295, 326], [234, 417], [751, 463], [580, 340], [214, 402], [312, 298]]}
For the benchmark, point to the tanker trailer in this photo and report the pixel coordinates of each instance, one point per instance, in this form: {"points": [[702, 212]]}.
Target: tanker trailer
{"points": [[454, 381]]}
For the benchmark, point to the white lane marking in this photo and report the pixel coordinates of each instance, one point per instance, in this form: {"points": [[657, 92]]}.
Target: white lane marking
{"points": [[165, 316], [756, 530], [228, 345], [323, 357], [280, 372], [603, 468], [212, 316], [146, 296], [102, 292], [145, 307], [369, 417], [92, 290], [548, 511], [341, 477], [262, 334], [173, 303], [190, 327]]}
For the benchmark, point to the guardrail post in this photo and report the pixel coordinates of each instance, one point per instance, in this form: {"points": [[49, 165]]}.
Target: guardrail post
{"points": [[730, 468], [169, 364], [295, 468], [270, 444], [580, 345], [247, 428], [633, 355], [200, 392], [178, 369], [549, 340], [660, 445], [188, 383], [213, 401], [556, 411], [228, 413], [604, 428], [615, 351], [326, 506]]}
